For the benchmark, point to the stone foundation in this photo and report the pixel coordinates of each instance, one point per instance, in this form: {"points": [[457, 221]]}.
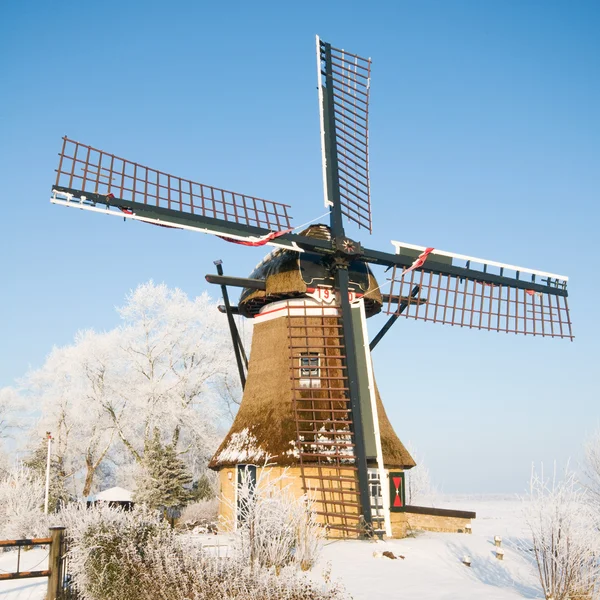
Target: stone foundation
{"points": [[423, 518]]}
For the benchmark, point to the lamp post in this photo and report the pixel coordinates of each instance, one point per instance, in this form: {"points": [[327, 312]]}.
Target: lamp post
{"points": [[49, 437]]}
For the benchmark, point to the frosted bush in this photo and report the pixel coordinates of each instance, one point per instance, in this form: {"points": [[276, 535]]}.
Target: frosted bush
{"points": [[275, 527], [173, 570], [565, 537], [592, 471], [104, 543], [202, 515], [21, 505], [117, 555]]}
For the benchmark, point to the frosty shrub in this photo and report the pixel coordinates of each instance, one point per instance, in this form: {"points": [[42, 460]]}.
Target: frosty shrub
{"points": [[592, 470], [106, 546], [175, 569], [4, 463], [130, 556], [202, 514], [275, 528], [21, 505], [565, 540]]}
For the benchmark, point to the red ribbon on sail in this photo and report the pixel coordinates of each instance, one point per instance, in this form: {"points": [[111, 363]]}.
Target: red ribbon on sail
{"points": [[420, 261], [261, 241]]}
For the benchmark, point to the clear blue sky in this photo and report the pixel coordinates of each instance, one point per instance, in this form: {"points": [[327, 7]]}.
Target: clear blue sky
{"points": [[485, 140]]}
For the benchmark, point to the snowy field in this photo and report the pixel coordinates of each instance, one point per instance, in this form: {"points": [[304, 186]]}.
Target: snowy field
{"points": [[431, 570], [24, 589]]}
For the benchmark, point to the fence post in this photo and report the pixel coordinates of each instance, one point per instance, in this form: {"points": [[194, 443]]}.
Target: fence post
{"points": [[55, 563]]}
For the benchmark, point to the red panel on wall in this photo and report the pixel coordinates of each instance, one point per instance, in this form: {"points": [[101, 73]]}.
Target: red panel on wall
{"points": [[397, 498]]}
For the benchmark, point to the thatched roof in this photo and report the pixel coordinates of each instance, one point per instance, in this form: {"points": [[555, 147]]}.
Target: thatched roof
{"points": [[290, 274], [265, 424]]}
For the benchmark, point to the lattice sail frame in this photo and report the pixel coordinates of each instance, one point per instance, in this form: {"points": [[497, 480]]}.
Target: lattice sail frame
{"points": [[469, 301], [85, 173], [350, 77]]}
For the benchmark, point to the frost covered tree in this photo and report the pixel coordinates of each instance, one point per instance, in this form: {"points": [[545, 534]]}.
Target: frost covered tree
{"points": [[564, 536], [592, 470], [164, 368], [419, 488], [10, 406], [204, 488], [164, 477], [177, 352], [69, 389], [21, 504], [36, 464]]}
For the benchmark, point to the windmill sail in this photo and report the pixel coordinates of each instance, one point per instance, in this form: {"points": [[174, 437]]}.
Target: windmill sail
{"points": [[344, 82], [311, 401], [471, 292], [90, 178]]}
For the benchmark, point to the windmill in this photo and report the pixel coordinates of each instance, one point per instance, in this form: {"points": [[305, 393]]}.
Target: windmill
{"points": [[310, 399]]}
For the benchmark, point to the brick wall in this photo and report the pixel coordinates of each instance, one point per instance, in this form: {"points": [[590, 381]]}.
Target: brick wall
{"points": [[421, 518]]}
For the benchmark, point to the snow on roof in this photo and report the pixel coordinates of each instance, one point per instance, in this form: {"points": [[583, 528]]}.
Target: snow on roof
{"points": [[114, 494], [242, 447]]}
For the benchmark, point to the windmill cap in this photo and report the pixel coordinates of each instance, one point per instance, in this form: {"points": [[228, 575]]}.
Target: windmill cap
{"points": [[291, 274]]}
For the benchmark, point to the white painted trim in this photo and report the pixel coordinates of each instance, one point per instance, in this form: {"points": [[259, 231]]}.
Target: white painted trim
{"points": [[383, 476], [295, 307], [79, 203], [328, 202], [483, 261], [235, 497]]}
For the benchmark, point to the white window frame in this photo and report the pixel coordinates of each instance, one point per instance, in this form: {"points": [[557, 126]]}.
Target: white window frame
{"points": [[310, 371], [376, 492]]}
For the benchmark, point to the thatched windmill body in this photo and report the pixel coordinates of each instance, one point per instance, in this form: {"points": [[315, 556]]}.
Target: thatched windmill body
{"points": [[296, 412], [310, 401]]}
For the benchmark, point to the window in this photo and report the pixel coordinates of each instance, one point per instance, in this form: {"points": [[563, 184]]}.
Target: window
{"points": [[375, 493], [374, 484], [310, 371]]}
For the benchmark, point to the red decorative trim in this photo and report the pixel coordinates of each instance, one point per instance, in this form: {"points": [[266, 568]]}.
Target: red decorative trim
{"points": [[260, 242], [420, 261]]}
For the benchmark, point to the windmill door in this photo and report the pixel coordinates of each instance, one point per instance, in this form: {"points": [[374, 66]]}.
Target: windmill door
{"points": [[246, 484]]}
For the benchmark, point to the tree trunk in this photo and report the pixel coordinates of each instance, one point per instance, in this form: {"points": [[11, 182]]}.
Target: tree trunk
{"points": [[89, 477]]}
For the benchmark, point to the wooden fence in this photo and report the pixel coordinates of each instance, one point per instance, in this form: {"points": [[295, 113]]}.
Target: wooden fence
{"points": [[58, 579]]}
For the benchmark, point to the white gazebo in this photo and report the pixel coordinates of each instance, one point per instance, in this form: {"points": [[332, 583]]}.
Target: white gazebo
{"points": [[116, 496]]}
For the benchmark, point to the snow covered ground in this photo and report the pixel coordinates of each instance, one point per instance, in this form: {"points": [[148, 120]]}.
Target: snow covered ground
{"points": [[24, 589], [431, 570]]}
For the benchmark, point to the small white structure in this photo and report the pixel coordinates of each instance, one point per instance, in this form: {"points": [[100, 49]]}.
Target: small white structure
{"points": [[115, 496]]}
